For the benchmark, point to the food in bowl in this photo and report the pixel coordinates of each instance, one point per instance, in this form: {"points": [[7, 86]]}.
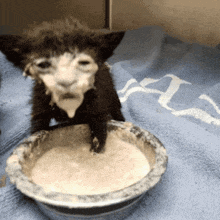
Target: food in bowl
{"points": [[73, 168]]}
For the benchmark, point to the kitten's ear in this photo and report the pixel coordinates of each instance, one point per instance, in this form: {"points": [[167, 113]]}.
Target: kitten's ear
{"points": [[109, 41], [10, 48]]}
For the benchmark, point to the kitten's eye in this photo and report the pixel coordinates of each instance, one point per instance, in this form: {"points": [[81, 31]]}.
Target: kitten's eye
{"points": [[84, 62], [44, 64]]}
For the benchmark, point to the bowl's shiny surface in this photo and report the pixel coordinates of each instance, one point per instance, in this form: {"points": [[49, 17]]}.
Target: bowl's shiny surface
{"points": [[112, 212], [65, 205]]}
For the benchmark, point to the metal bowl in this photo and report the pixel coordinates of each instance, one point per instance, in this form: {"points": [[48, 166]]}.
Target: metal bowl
{"points": [[112, 205]]}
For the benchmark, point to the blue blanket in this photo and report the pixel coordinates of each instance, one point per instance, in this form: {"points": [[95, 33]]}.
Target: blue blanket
{"points": [[168, 87]]}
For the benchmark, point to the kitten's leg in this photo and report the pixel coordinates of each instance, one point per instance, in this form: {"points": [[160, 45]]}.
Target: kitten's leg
{"points": [[41, 109], [116, 108], [98, 128], [117, 115], [40, 123]]}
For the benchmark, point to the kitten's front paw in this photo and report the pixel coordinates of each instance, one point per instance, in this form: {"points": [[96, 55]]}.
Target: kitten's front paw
{"points": [[96, 146]]}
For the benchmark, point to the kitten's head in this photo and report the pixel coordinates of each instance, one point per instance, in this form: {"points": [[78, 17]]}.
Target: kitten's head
{"points": [[65, 56]]}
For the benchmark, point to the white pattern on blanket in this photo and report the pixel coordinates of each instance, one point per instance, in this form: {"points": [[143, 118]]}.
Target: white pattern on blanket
{"points": [[165, 98]]}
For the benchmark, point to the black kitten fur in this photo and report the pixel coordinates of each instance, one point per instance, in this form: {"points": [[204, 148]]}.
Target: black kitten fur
{"points": [[100, 103]]}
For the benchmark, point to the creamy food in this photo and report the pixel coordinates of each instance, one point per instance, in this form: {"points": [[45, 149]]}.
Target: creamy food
{"points": [[75, 170]]}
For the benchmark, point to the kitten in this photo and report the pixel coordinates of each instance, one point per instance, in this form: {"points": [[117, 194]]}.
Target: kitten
{"points": [[72, 82]]}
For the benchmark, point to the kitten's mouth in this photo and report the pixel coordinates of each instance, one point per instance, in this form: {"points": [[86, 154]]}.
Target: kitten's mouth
{"points": [[69, 102], [68, 96]]}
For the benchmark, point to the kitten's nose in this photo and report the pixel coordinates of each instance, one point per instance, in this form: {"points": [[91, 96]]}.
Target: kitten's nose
{"points": [[66, 83]]}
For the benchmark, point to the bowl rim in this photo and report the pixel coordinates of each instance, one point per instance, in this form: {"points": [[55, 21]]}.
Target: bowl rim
{"points": [[101, 214], [34, 191]]}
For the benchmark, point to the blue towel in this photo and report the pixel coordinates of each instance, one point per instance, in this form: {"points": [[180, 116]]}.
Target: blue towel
{"points": [[167, 87]]}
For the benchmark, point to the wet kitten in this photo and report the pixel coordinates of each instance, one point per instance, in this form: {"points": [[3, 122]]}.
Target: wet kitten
{"points": [[72, 82]]}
